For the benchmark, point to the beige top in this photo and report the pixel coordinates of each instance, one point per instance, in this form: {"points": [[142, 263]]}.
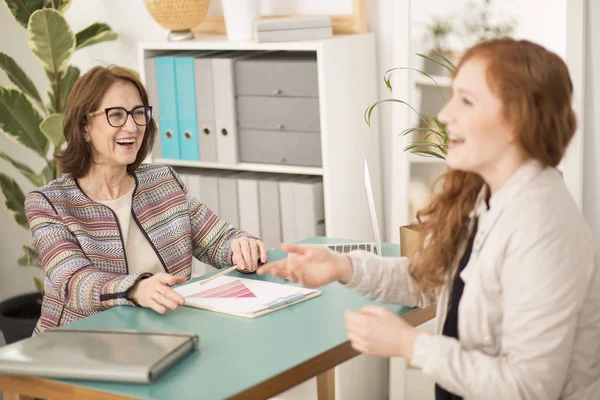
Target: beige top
{"points": [[141, 257], [529, 316]]}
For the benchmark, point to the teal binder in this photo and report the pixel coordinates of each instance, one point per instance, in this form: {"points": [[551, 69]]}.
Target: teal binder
{"points": [[186, 109], [167, 103]]}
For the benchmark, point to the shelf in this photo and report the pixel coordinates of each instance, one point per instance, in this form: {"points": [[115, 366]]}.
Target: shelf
{"points": [[220, 42], [442, 81], [251, 167], [414, 158]]}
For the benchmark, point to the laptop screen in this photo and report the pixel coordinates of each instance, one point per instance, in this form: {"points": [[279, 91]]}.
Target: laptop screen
{"points": [[372, 210]]}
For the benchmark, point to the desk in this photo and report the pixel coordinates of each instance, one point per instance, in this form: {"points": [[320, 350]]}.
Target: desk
{"points": [[238, 358]]}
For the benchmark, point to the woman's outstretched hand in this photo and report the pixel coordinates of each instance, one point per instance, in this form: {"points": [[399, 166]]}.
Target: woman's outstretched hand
{"points": [[156, 293], [311, 266]]}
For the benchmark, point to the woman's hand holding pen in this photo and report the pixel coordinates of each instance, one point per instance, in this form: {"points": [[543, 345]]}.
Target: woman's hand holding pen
{"points": [[311, 266], [156, 293], [247, 253]]}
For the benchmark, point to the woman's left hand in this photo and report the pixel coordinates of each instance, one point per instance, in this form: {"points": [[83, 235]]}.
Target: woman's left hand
{"points": [[247, 252], [378, 331]]}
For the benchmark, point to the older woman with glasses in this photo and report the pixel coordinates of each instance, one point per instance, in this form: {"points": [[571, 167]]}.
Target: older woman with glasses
{"points": [[111, 230]]}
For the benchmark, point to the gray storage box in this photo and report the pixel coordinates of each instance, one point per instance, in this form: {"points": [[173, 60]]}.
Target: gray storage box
{"points": [[275, 147], [279, 113], [278, 74]]}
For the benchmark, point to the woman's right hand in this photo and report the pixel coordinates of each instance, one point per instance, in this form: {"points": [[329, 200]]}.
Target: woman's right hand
{"points": [[311, 266], [156, 293]]}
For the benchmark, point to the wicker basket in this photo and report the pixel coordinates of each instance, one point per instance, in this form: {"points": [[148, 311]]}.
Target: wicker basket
{"points": [[178, 15]]}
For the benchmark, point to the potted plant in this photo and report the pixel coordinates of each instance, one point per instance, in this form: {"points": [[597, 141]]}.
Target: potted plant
{"points": [[37, 124], [431, 136], [434, 139], [437, 33], [480, 23]]}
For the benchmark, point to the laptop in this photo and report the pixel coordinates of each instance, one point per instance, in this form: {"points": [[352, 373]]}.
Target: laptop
{"points": [[99, 355], [373, 247]]}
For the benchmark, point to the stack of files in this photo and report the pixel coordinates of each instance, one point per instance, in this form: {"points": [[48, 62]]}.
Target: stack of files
{"points": [[203, 185], [276, 208], [174, 87], [302, 208], [193, 99], [308, 27]]}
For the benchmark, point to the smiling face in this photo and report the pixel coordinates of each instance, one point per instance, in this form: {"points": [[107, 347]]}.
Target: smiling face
{"points": [[481, 140], [112, 146]]}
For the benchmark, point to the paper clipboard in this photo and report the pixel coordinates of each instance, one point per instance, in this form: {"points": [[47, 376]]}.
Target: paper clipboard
{"points": [[255, 298]]}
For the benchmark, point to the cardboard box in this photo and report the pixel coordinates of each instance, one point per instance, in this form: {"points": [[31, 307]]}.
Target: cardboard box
{"points": [[409, 239]]}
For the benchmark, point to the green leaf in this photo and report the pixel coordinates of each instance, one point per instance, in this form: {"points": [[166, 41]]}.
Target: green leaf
{"points": [[39, 284], [49, 173], [390, 72], [21, 121], [450, 65], [22, 9], [37, 180], [94, 34], [62, 5], [414, 145], [446, 63], [30, 258], [14, 199], [370, 109], [52, 128], [51, 40], [19, 77], [426, 153], [59, 89]]}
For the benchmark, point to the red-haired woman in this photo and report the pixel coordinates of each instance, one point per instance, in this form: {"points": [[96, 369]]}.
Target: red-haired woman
{"points": [[505, 255]]}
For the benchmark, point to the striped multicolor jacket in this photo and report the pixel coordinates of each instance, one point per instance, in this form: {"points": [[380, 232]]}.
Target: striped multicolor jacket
{"points": [[81, 249]]}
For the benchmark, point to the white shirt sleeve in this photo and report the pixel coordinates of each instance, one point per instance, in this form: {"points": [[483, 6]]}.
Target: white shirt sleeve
{"points": [[386, 280]]}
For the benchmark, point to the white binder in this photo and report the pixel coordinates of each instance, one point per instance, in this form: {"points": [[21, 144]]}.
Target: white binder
{"points": [[270, 218], [248, 204], [224, 102]]}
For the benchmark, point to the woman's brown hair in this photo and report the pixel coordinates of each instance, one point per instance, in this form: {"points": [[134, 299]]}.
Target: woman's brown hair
{"points": [[87, 94], [536, 92]]}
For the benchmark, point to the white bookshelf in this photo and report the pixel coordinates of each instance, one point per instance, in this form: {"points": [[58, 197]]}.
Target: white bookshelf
{"points": [[347, 86]]}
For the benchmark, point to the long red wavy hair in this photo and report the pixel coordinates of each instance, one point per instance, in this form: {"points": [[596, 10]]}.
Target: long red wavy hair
{"points": [[536, 92]]}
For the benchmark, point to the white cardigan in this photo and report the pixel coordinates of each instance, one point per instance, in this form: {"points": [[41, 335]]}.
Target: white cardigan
{"points": [[529, 316]]}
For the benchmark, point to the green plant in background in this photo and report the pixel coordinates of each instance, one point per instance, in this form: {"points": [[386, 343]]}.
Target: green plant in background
{"points": [[480, 23], [438, 31], [434, 130], [27, 118]]}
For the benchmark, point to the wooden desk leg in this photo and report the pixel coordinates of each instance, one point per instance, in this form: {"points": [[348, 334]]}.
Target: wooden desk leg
{"points": [[15, 396], [326, 385]]}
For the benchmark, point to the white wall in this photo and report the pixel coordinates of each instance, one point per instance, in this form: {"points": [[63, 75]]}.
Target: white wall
{"points": [[591, 166]]}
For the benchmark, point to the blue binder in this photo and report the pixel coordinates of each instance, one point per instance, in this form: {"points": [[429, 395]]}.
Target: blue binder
{"points": [[186, 109], [167, 103]]}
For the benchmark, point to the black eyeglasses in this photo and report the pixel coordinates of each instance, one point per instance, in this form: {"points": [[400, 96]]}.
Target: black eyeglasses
{"points": [[117, 116]]}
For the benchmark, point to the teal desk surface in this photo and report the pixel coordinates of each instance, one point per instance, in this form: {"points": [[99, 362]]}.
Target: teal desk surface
{"points": [[236, 354]]}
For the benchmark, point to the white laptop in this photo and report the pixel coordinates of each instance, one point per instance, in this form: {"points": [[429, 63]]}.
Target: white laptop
{"points": [[373, 247]]}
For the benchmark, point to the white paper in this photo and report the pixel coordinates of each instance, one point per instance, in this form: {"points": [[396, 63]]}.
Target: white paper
{"points": [[257, 295]]}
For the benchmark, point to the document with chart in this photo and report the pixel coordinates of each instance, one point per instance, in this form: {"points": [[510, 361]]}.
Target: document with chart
{"points": [[243, 297]]}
